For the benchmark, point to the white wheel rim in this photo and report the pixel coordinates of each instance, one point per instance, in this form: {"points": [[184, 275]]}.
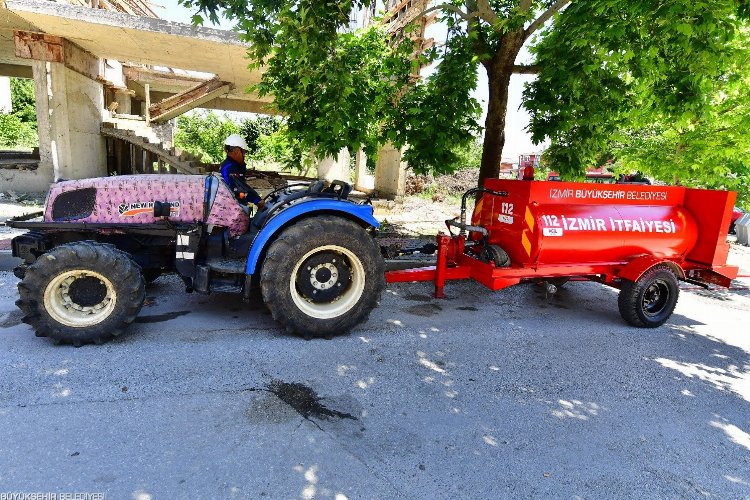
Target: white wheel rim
{"points": [[61, 307], [341, 304]]}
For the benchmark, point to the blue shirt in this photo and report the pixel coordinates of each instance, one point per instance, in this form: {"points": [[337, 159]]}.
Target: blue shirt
{"points": [[233, 174]]}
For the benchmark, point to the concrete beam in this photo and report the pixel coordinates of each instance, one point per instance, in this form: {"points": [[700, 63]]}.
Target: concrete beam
{"points": [[160, 78], [221, 103], [38, 46], [16, 71], [246, 106], [49, 48], [185, 101]]}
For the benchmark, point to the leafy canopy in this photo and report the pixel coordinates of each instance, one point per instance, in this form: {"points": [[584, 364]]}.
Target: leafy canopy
{"points": [[346, 89], [657, 84], [660, 86]]}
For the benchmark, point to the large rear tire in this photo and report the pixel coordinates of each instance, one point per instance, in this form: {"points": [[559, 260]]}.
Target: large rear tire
{"points": [[322, 276], [80, 293], [650, 301]]}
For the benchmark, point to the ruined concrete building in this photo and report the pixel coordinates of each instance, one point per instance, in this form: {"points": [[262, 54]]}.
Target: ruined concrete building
{"points": [[106, 89]]}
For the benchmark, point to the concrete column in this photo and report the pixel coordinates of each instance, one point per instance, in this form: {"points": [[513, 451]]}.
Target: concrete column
{"points": [[123, 102], [390, 173], [331, 169], [76, 112], [363, 181]]}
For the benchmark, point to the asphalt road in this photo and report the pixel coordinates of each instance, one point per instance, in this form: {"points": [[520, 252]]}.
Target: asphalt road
{"points": [[508, 394]]}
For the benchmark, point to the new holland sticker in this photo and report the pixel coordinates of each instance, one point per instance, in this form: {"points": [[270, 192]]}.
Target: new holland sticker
{"points": [[146, 207]]}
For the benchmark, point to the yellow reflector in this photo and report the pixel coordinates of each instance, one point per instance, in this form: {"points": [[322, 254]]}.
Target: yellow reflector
{"points": [[529, 219], [526, 243]]}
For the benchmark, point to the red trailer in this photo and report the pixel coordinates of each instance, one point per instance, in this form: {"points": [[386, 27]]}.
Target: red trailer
{"points": [[637, 238]]}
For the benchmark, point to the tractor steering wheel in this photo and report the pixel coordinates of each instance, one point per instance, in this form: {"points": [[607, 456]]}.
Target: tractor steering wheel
{"points": [[274, 195]]}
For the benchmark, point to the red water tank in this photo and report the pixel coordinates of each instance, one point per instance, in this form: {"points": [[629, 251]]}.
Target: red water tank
{"points": [[543, 222]]}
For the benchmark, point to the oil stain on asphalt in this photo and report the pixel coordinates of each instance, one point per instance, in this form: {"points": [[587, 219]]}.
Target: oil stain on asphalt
{"points": [[304, 400]]}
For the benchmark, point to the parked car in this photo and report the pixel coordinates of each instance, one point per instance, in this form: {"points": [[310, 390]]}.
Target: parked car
{"points": [[736, 214]]}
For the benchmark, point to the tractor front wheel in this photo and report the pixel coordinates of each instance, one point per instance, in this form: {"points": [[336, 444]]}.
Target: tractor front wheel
{"points": [[80, 293], [322, 276], [649, 301]]}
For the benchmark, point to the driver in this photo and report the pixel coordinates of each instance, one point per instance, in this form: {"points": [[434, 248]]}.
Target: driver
{"points": [[233, 171]]}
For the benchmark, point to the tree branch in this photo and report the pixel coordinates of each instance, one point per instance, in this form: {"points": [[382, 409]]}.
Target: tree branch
{"points": [[545, 17], [526, 69], [485, 12], [446, 6]]}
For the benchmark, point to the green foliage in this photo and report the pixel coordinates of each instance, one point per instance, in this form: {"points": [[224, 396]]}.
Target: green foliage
{"points": [[661, 85], [22, 96], [18, 128], [15, 134], [468, 156], [254, 129], [438, 117], [343, 89], [203, 135]]}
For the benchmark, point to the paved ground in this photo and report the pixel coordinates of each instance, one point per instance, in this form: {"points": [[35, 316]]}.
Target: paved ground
{"points": [[483, 395]]}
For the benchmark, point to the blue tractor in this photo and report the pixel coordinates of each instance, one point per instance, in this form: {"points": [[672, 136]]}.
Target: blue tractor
{"points": [[310, 252]]}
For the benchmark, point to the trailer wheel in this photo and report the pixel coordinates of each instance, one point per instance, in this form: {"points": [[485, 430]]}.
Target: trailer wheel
{"points": [[650, 301], [80, 293], [495, 254], [322, 276]]}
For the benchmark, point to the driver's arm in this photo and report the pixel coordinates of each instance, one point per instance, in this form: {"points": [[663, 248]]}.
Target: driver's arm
{"points": [[245, 193]]}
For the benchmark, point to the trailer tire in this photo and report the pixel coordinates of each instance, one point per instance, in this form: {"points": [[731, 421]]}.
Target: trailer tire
{"points": [[496, 255], [322, 276], [81, 293], [649, 301]]}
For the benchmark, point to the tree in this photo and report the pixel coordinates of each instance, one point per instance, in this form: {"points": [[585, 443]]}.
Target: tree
{"points": [[203, 134], [661, 88], [596, 60], [252, 129]]}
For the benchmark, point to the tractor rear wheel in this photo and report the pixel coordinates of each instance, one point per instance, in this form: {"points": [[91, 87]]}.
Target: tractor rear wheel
{"points": [[649, 301], [80, 293], [322, 276]]}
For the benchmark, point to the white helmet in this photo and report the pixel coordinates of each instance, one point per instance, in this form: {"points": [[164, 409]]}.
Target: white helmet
{"points": [[237, 141]]}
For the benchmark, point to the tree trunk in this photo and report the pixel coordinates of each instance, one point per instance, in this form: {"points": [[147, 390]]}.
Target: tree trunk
{"points": [[499, 70]]}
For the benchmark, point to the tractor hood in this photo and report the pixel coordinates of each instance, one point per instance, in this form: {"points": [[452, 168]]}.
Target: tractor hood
{"points": [[129, 199]]}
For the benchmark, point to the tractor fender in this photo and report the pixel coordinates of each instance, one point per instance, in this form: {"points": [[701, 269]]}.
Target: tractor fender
{"points": [[360, 213], [634, 269]]}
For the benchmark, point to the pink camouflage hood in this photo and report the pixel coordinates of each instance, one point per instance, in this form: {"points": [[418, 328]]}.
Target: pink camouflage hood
{"points": [[128, 199]]}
